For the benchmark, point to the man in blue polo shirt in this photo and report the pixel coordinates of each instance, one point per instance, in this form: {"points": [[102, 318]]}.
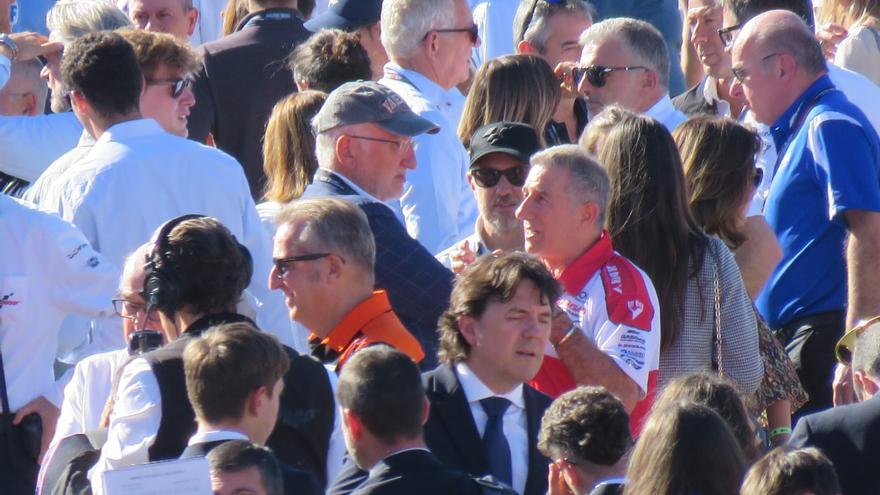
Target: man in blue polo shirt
{"points": [[825, 194]]}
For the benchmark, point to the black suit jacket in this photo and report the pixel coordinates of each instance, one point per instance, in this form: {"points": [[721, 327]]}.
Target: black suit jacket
{"points": [[418, 285], [850, 437], [416, 471], [692, 102], [295, 480], [242, 76]]}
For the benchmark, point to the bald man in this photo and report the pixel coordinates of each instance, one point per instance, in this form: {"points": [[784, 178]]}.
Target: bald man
{"points": [[25, 93], [825, 190]]}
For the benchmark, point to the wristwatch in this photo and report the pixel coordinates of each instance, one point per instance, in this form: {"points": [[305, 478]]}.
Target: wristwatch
{"points": [[6, 40]]}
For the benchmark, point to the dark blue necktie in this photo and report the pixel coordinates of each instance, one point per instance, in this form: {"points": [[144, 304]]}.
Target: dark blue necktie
{"points": [[496, 444]]}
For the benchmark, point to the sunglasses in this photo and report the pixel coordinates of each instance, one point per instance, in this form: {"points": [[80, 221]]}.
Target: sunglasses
{"points": [[178, 85], [597, 75], [527, 21], [727, 34], [472, 31], [489, 177]]}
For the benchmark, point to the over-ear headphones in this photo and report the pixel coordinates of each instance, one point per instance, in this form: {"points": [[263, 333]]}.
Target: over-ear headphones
{"points": [[160, 284]]}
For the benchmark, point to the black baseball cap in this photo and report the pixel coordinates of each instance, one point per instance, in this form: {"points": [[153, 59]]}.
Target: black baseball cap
{"points": [[514, 138], [368, 102], [347, 15]]}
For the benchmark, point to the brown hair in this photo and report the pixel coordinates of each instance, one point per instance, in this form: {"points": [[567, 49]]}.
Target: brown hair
{"points": [[512, 88], [493, 277], [155, 50], [718, 155], [289, 159], [329, 59], [233, 13], [789, 471], [685, 448], [648, 216], [227, 364]]}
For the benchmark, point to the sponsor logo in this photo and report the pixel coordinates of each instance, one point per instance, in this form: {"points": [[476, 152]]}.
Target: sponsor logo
{"points": [[614, 278], [76, 251], [635, 308], [7, 300], [93, 262]]}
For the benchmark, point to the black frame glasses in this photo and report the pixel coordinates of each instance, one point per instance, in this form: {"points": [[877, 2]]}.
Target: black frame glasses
{"points": [[740, 73], [178, 85], [473, 31], [597, 75], [726, 34], [280, 263], [527, 21], [119, 307], [401, 146], [489, 177]]}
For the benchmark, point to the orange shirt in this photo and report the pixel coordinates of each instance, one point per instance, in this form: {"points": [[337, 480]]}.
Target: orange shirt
{"points": [[371, 322]]}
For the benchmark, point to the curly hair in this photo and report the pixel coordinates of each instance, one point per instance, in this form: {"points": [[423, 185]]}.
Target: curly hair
{"points": [[329, 59]]}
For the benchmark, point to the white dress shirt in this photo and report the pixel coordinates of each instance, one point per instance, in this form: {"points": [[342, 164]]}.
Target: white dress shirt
{"points": [[205, 436], [437, 203], [87, 392], [47, 270], [515, 423], [31, 144], [137, 176], [494, 20], [38, 190], [665, 113]]}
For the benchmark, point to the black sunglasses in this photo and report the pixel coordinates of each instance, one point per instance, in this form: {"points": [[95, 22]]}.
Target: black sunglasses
{"points": [[726, 34], [473, 32], [489, 177], [178, 85], [597, 75], [281, 263]]}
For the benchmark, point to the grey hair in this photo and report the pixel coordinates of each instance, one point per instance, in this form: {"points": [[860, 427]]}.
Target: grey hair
{"points": [[538, 31], [28, 73], [337, 226], [70, 19], [866, 352], [406, 22], [588, 179], [325, 147], [793, 36], [642, 39]]}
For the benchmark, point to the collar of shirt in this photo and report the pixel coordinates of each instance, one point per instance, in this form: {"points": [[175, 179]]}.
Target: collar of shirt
{"points": [[664, 112], [576, 275], [781, 129], [280, 16], [430, 90], [710, 94], [130, 129], [341, 336], [354, 186], [475, 390], [204, 436], [381, 464]]}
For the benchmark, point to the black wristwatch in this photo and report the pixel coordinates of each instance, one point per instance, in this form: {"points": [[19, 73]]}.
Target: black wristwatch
{"points": [[13, 46]]}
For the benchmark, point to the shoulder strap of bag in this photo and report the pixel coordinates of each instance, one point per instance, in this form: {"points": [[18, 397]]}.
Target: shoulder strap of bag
{"points": [[716, 286]]}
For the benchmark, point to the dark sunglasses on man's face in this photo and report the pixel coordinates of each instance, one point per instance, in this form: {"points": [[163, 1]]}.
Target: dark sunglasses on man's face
{"points": [[598, 75], [177, 86], [473, 32], [489, 177]]}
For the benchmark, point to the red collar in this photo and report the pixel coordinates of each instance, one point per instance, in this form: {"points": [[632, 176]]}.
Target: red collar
{"points": [[578, 273]]}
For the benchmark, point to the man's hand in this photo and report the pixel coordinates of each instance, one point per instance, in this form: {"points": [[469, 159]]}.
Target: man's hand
{"points": [[842, 387], [556, 484], [48, 414], [566, 80], [559, 325], [32, 45], [830, 35], [461, 257]]}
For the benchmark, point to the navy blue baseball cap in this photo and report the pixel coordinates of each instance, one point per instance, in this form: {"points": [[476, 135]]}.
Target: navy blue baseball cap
{"points": [[347, 15]]}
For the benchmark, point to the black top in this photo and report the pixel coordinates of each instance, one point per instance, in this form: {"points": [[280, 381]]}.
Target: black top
{"points": [[557, 132], [692, 102], [416, 471]]}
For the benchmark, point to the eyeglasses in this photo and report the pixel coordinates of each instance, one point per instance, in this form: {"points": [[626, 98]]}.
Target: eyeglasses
{"points": [[740, 73], [178, 85], [597, 75], [727, 34], [473, 31], [527, 22], [400, 146], [489, 177], [759, 176], [130, 310], [281, 264]]}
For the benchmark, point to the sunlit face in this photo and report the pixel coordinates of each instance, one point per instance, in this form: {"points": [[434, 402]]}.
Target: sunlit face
{"points": [[625, 88], [163, 16], [563, 44], [51, 73], [454, 53], [381, 160], [243, 482], [299, 281], [497, 204], [507, 341], [159, 103], [704, 19], [756, 75]]}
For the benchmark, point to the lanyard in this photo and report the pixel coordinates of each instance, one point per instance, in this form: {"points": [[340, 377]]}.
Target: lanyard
{"points": [[330, 178], [796, 127]]}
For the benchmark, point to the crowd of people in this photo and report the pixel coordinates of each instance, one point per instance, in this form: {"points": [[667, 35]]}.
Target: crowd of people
{"points": [[441, 246]]}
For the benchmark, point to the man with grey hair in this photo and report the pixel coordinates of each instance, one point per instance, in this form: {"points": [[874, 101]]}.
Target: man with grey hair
{"points": [[178, 18], [429, 44], [25, 93], [825, 193], [552, 31], [365, 150], [615, 344], [625, 62], [324, 256]]}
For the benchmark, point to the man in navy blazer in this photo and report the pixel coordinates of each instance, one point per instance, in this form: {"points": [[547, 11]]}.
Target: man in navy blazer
{"points": [[850, 435], [364, 146]]}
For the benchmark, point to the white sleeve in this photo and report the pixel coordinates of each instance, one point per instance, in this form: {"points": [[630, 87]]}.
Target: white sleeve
{"points": [[31, 144], [70, 421], [134, 422], [5, 70]]}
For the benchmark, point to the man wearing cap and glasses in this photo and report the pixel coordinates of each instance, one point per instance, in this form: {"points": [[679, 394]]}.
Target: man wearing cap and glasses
{"points": [[356, 16], [365, 151], [429, 44], [625, 62], [847, 434], [500, 155]]}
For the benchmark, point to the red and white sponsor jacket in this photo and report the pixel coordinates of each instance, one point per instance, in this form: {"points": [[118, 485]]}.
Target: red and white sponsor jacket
{"points": [[614, 303]]}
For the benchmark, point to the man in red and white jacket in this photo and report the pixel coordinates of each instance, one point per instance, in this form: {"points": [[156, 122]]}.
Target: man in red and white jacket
{"points": [[607, 331]]}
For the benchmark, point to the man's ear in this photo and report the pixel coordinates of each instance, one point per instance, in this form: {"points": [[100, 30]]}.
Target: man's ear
{"points": [[426, 410], [467, 325], [590, 213], [335, 267], [343, 149], [29, 105], [866, 383], [192, 17], [353, 423], [432, 44], [256, 400], [526, 47], [651, 80]]}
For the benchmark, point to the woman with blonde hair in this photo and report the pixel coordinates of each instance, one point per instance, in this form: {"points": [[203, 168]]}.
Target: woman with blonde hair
{"points": [[289, 159], [858, 21], [512, 88]]}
